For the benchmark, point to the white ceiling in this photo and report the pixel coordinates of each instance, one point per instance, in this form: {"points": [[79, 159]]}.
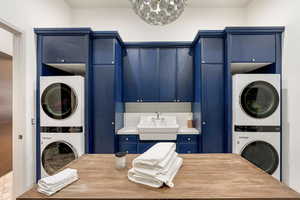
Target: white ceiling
{"points": [[126, 3]]}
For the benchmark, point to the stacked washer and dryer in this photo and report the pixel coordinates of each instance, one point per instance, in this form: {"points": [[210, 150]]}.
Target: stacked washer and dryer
{"points": [[61, 121], [256, 120]]}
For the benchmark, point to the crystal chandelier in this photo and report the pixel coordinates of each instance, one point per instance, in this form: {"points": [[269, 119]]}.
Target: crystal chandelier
{"points": [[158, 12]]}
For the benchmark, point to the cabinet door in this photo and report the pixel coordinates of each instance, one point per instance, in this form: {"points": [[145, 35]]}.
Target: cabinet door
{"points": [[103, 50], [253, 48], [185, 82], [131, 75], [149, 74], [103, 108], [65, 49], [212, 50], [212, 108], [167, 74], [187, 148], [129, 148]]}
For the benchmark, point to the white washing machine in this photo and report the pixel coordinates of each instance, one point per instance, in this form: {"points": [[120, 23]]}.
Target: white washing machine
{"points": [[59, 149], [61, 101], [256, 99], [260, 148]]}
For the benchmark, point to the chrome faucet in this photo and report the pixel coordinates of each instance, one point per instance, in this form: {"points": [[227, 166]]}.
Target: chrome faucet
{"points": [[157, 115]]}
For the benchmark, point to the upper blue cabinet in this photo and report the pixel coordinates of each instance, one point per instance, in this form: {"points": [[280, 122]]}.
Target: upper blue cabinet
{"points": [[104, 49], [253, 48], [212, 50], [158, 75], [64, 49]]}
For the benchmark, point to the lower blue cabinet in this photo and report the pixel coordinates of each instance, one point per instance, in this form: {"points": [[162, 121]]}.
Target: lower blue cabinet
{"points": [[187, 148], [184, 144], [129, 148]]}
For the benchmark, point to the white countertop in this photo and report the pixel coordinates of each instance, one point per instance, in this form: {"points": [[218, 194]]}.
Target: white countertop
{"points": [[134, 131]]}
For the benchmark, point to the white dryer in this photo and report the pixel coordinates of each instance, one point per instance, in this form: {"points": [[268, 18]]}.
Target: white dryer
{"points": [[59, 149], [61, 101], [260, 148], [256, 99]]}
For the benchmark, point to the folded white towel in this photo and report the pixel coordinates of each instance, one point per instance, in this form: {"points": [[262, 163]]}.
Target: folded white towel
{"points": [[51, 184], [156, 155], [156, 170], [158, 180]]}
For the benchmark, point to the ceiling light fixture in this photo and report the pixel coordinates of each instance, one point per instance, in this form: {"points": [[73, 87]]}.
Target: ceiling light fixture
{"points": [[158, 12]]}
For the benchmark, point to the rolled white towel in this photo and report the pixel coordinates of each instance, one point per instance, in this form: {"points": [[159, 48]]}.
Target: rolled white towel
{"points": [[159, 180], [51, 184], [156, 156]]}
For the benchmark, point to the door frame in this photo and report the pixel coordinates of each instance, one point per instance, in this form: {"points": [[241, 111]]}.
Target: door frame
{"points": [[18, 108]]}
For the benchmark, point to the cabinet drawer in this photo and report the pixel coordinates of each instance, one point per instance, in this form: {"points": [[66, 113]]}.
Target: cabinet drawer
{"points": [[128, 138], [253, 48], [129, 148], [65, 49], [187, 148], [187, 138]]}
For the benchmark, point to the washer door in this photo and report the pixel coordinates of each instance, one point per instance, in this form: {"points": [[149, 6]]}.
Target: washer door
{"points": [[57, 155], [259, 99], [59, 101], [263, 155]]}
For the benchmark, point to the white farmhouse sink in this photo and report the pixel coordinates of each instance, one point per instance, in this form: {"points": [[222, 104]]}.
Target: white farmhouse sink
{"points": [[162, 128]]}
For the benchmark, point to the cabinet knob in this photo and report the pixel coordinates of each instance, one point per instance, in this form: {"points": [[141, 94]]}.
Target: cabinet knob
{"points": [[112, 123], [141, 100], [112, 62], [62, 60], [138, 100], [126, 139], [189, 152], [203, 61], [189, 139], [253, 59], [178, 100], [203, 123]]}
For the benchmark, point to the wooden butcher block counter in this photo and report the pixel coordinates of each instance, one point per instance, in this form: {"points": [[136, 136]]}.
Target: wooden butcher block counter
{"points": [[202, 176]]}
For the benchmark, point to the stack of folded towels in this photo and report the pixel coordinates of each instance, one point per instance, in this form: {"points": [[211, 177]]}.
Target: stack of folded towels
{"points": [[51, 184], [157, 166]]}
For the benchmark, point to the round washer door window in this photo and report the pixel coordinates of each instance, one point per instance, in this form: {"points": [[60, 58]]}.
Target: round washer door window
{"points": [[59, 101], [263, 155], [57, 155], [259, 99]]}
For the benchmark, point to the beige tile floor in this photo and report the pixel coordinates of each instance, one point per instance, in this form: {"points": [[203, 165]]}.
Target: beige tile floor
{"points": [[6, 186]]}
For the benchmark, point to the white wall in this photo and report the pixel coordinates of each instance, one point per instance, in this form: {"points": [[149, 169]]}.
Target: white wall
{"points": [[6, 42], [286, 13], [132, 28], [26, 15]]}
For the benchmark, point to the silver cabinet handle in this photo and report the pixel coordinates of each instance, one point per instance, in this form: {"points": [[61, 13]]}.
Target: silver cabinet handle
{"points": [[141, 100], [253, 59], [126, 139], [62, 60], [203, 123], [112, 62], [189, 139], [112, 123], [138, 100]]}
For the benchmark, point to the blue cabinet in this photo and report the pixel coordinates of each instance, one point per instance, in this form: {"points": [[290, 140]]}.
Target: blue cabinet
{"points": [[144, 146], [185, 81], [103, 108], [64, 49], [253, 48], [128, 143], [167, 74], [212, 81], [212, 50], [104, 48], [131, 75], [149, 75], [188, 144], [158, 75]]}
